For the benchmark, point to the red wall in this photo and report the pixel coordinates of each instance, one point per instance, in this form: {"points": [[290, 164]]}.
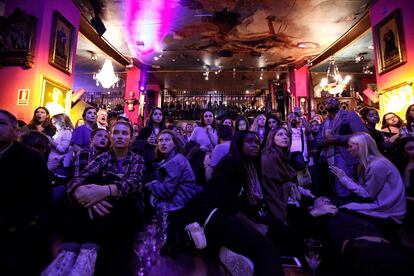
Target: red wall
{"points": [[14, 78], [299, 83], [380, 10]]}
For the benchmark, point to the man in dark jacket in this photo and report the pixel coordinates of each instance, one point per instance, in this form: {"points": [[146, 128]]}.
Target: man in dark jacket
{"points": [[333, 138], [26, 199]]}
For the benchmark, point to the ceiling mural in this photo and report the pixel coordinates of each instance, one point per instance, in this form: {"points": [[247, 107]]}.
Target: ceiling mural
{"points": [[226, 34]]}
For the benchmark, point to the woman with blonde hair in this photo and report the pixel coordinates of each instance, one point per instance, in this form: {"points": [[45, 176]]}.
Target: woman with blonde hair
{"points": [[380, 188], [259, 126]]}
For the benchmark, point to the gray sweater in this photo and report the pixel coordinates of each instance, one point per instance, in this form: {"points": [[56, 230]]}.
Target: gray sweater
{"points": [[383, 185]]}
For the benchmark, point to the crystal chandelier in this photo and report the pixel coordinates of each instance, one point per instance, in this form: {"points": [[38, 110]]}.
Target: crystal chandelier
{"points": [[333, 82], [107, 77]]}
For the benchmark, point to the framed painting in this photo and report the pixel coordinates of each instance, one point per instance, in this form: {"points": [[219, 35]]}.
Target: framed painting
{"points": [[61, 43], [17, 39], [389, 42], [55, 97]]}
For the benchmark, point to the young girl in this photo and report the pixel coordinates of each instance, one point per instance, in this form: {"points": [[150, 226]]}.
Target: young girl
{"points": [[175, 182]]}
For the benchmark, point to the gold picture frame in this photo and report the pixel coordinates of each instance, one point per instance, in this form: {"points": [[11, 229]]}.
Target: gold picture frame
{"points": [[55, 97], [61, 43], [389, 42]]}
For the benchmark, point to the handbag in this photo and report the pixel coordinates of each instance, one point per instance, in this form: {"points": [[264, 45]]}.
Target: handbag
{"points": [[196, 232], [297, 161]]}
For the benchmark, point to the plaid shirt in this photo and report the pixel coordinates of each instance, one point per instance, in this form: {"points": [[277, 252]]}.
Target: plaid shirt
{"points": [[83, 158], [129, 173]]}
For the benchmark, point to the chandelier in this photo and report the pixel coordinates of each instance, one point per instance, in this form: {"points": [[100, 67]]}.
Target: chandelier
{"points": [[106, 76], [333, 82]]}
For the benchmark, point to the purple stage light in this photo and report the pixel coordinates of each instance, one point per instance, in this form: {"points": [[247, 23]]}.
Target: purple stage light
{"points": [[149, 22]]}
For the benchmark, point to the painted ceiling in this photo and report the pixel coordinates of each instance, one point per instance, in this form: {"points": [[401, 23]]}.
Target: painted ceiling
{"points": [[221, 36]]}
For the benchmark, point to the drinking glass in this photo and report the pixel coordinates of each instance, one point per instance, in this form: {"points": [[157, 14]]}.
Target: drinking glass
{"points": [[313, 253], [141, 252]]}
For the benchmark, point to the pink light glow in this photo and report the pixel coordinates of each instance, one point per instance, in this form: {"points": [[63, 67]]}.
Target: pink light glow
{"points": [[149, 21]]}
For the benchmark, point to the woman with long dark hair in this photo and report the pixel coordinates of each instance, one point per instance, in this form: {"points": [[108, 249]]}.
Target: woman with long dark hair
{"points": [[241, 124], [278, 176], [146, 141], [41, 122], [235, 181], [272, 121], [391, 124], [206, 135]]}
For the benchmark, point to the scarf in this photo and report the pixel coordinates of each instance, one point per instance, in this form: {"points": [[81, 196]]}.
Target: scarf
{"points": [[254, 192], [275, 164]]}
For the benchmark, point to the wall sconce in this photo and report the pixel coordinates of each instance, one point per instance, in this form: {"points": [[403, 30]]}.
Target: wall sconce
{"points": [[131, 101]]}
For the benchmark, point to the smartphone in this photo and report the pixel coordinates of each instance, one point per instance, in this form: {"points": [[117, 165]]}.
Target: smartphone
{"points": [[288, 261]]}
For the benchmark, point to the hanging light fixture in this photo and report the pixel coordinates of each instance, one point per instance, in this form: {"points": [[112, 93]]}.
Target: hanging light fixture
{"points": [[107, 77], [333, 82]]}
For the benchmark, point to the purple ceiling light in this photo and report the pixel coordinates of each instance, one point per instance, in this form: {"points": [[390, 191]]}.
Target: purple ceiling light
{"points": [[148, 22]]}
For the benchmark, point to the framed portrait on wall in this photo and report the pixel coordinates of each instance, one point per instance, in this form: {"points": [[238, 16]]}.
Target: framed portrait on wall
{"points": [[61, 43], [17, 39], [55, 97], [389, 42]]}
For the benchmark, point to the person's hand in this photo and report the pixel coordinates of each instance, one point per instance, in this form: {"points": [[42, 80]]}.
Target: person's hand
{"points": [[337, 171], [297, 111], [294, 192], [152, 140], [87, 195], [324, 210], [207, 160], [209, 128], [204, 149], [306, 192], [262, 229], [101, 208]]}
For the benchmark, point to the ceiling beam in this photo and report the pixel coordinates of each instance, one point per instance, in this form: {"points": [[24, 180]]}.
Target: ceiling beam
{"points": [[356, 31], [89, 32]]}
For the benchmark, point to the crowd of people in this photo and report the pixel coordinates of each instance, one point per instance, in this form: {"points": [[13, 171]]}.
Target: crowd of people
{"points": [[258, 189]]}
